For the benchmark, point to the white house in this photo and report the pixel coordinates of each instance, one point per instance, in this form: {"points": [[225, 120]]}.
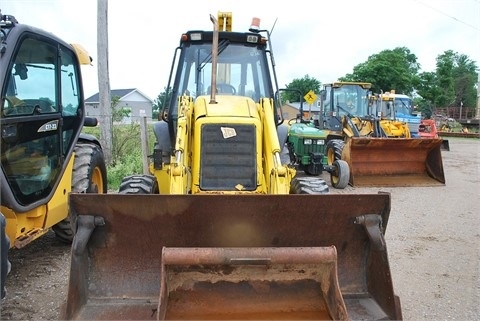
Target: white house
{"points": [[139, 104]]}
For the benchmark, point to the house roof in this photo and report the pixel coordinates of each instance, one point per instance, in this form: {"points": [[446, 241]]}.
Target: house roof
{"points": [[116, 93]]}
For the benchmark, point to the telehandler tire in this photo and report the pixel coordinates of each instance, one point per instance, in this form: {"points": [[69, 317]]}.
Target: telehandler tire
{"points": [[89, 176], [139, 184]]}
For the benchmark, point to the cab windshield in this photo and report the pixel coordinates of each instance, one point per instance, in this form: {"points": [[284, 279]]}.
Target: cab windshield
{"points": [[240, 71], [352, 100], [403, 106]]}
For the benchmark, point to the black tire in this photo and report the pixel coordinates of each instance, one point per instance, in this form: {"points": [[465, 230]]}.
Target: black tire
{"points": [[139, 184], [334, 150], [308, 185], [4, 248], [89, 175], [341, 176], [291, 153]]}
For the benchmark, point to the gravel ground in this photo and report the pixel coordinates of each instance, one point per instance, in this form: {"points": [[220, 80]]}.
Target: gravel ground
{"points": [[433, 241]]}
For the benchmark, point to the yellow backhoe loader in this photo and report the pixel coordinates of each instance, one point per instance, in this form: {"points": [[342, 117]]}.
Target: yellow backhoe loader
{"points": [[220, 229], [378, 149]]}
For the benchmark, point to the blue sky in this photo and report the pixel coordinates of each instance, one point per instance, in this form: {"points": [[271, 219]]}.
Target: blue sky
{"points": [[324, 39]]}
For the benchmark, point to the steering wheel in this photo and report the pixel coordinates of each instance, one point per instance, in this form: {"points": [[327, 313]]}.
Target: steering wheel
{"points": [[226, 89], [292, 121]]}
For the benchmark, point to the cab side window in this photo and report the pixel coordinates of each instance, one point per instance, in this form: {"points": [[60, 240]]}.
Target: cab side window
{"points": [[31, 85]]}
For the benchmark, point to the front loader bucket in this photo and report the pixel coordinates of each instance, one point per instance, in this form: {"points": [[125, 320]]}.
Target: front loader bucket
{"points": [[394, 161], [240, 283], [270, 257]]}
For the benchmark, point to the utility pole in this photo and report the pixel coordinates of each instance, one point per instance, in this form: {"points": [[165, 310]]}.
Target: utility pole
{"points": [[105, 98], [478, 95]]}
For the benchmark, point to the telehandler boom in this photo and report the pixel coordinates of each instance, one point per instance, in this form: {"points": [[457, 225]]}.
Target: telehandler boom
{"points": [[221, 229]]}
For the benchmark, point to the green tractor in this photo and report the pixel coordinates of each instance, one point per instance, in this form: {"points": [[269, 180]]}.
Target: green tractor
{"points": [[306, 145]]}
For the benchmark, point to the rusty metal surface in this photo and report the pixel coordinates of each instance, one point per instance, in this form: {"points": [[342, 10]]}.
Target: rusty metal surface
{"points": [[250, 283], [394, 161], [249, 255], [117, 275]]}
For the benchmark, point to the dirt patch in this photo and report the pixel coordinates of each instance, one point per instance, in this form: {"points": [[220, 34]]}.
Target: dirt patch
{"points": [[433, 239], [38, 282]]}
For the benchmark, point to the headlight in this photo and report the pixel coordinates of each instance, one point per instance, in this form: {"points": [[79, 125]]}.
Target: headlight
{"points": [[196, 36], [307, 141], [320, 142]]}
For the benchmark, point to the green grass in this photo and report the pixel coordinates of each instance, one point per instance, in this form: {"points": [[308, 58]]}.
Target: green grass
{"points": [[126, 152]]}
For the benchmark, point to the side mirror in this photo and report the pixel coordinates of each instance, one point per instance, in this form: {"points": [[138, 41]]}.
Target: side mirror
{"points": [[21, 70]]}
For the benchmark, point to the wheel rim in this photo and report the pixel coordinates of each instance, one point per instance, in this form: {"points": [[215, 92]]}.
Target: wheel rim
{"points": [[330, 156], [330, 159], [97, 181], [334, 177]]}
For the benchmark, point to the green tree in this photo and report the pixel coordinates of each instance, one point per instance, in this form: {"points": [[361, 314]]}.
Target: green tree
{"points": [[445, 80], [159, 102], [465, 80], [389, 69], [452, 84], [428, 91], [118, 112], [304, 85]]}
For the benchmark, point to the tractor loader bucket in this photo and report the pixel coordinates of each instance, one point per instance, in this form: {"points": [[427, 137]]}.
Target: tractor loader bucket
{"points": [[270, 257], [394, 161]]}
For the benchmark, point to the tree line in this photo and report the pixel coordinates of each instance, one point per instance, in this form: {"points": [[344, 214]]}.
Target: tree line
{"points": [[453, 83]]}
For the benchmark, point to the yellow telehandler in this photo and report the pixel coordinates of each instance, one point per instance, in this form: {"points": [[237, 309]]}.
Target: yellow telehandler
{"points": [[378, 148], [221, 229], [44, 155]]}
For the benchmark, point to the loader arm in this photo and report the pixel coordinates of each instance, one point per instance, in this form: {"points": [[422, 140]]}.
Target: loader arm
{"points": [[179, 175], [278, 175]]}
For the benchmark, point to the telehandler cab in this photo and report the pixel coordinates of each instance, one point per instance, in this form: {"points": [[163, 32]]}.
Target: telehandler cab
{"points": [[44, 154]]}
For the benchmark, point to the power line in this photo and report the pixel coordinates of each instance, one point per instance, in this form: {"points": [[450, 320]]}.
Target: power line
{"points": [[450, 16]]}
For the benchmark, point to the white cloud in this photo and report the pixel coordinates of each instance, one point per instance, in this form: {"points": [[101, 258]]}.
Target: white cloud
{"points": [[322, 39]]}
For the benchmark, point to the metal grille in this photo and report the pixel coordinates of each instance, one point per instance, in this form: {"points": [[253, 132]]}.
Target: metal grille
{"points": [[228, 157], [312, 148]]}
